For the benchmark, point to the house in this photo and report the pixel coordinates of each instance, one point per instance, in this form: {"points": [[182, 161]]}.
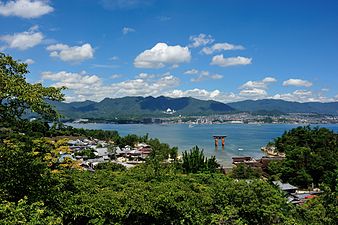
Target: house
{"points": [[247, 160], [285, 187]]}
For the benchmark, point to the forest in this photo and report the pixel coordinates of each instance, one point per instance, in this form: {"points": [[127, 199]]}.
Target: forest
{"points": [[36, 188]]}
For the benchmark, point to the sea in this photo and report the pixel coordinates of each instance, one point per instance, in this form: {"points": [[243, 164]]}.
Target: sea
{"points": [[241, 139]]}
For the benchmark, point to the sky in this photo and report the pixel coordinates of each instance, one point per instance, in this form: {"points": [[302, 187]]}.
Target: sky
{"points": [[224, 50]]}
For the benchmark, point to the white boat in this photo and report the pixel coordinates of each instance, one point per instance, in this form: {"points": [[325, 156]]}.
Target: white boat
{"points": [[240, 149]]}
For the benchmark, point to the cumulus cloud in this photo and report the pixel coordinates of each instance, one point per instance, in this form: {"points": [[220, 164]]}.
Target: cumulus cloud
{"points": [[73, 81], [192, 71], [71, 54], [204, 95], [262, 84], [253, 93], [200, 40], [115, 76], [25, 8], [202, 75], [297, 82], [23, 40], [29, 61], [126, 30], [219, 60], [304, 96], [256, 89], [221, 47], [161, 55], [83, 86]]}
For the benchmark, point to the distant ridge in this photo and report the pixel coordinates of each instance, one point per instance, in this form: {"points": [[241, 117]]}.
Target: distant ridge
{"points": [[143, 107], [274, 105], [140, 107]]}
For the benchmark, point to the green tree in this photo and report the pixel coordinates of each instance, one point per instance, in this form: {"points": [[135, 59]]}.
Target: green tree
{"points": [[242, 171], [311, 157], [17, 96], [194, 161]]}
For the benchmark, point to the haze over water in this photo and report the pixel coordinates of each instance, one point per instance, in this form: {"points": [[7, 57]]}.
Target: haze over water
{"points": [[249, 137]]}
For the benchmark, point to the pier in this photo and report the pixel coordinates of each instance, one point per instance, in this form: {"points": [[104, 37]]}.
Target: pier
{"points": [[217, 137]]}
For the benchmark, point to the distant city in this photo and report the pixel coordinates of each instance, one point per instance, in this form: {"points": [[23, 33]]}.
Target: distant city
{"points": [[233, 118]]}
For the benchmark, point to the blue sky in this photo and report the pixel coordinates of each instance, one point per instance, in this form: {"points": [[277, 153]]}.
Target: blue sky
{"points": [[225, 50]]}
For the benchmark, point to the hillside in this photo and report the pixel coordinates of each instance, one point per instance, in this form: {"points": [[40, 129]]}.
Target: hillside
{"points": [[282, 106], [140, 107]]}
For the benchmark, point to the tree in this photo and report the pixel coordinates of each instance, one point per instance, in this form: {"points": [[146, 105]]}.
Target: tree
{"points": [[17, 96], [311, 157], [194, 161], [242, 171]]}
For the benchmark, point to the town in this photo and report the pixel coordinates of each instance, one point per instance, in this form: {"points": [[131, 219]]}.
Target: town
{"points": [[231, 118]]}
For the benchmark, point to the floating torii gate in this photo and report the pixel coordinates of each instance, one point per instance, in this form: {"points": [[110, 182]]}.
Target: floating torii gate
{"points": [[217, 137]]}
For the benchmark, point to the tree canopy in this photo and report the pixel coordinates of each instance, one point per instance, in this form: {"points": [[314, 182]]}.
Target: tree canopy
{"points": [[17, 96], [311, 157]]}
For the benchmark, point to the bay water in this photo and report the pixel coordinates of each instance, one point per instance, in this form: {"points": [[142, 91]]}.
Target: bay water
{"points": [[241, 140]]}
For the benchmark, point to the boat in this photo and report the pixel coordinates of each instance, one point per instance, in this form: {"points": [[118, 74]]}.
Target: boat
{"points": [[240, 149]]}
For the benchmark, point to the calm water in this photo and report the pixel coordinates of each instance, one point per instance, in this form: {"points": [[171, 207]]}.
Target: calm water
{"points": [[249, 137]]}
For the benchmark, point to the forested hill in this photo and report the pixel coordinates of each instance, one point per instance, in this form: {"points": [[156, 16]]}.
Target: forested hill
{"points": [[272, 105], [140, 107]]}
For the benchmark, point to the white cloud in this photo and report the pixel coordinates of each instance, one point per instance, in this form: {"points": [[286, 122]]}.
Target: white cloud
{"points": [[262, 84], [25, 8], [146, 76], [269, 80], [200, 40], [297, 82], [221, 47], [29, 61], [114, 58], [253, 93], [192, 71], [304, 96], [256, 89], [127, 30], [195, 93], [161, 55], [91, 87], [23, 40], [105, 66], [219, 60], [71, 54], [205, 75], [73, 81], [164, 18], [115, 76], [204, 95], [83, 86]]}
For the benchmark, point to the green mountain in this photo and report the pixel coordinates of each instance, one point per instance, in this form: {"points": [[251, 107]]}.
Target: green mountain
{"points": [[272, 105], [140, 107]]}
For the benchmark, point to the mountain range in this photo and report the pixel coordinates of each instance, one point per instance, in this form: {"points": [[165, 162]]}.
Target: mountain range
{"points": [[140, 107], [143, 107]]}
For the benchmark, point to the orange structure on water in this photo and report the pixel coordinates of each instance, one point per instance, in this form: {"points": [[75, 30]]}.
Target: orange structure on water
{"points": [[217, 137]]}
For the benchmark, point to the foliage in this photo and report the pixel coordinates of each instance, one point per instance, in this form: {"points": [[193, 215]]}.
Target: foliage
{"points": [[194, 161], [311, 157], [26, 213], [110, 166], [242, 171], [59, 129], [17, 96]]}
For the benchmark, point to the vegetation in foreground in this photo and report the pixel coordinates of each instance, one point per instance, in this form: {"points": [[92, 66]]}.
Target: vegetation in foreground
{"points": [[36, 188]]}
